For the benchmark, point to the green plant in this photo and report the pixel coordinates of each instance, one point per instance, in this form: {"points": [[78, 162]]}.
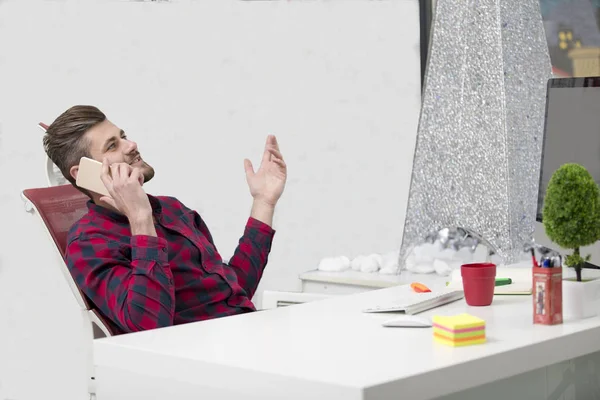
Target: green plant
{"points": [[571, 213]]}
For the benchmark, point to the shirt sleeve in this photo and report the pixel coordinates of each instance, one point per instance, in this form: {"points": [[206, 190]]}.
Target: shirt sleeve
{"points": [[134, 289], [252, 253]]}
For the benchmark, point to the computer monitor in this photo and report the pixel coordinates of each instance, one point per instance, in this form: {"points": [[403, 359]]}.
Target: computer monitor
{"points": [[571, 135]]}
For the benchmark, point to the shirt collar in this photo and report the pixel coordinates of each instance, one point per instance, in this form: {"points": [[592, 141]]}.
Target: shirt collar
{"points": [[94, 208]]}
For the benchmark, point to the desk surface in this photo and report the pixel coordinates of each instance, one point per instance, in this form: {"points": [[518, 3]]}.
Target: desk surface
{"points": [[330, 349]]}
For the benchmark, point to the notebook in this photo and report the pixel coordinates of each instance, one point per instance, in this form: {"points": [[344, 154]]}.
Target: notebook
{"points": [[414, 303]]}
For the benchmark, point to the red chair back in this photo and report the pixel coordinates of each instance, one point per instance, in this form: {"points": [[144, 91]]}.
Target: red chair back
{"points": [[59, 207]]}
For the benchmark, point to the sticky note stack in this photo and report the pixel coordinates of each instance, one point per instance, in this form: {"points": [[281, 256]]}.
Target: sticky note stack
{"points": [[458, 330]]}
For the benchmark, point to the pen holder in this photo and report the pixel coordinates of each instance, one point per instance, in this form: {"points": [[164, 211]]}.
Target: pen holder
{"points": [[547, 296]]}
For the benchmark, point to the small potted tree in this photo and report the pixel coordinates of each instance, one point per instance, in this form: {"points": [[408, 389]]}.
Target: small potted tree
{"points": [[571, 218]]}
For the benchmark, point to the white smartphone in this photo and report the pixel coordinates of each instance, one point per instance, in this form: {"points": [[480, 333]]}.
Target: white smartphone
{"points": [[88, 176]]}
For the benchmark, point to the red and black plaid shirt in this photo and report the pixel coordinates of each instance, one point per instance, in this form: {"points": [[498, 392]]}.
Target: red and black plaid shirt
{"points": [[144, 282]]}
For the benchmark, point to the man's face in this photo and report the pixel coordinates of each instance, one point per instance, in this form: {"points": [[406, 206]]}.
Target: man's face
{"points": [[106, 140]]}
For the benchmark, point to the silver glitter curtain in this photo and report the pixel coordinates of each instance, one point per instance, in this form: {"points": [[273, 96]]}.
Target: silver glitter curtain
{"points": [[478, 150]]}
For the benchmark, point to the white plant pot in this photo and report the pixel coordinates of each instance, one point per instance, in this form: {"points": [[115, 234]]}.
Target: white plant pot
{"points": [[580, 299]]}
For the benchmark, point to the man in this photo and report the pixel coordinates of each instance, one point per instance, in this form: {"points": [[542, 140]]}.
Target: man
{"points": [[147, 262]]}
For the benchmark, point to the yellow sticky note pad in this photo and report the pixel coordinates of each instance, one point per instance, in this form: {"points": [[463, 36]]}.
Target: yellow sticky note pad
{"points": [[461, 321], [458, 330], [458, 344]]}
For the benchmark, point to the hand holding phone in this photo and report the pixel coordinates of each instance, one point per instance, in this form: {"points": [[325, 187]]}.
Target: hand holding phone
{"points": [[88, 176], [124, 185], [119, 184]]}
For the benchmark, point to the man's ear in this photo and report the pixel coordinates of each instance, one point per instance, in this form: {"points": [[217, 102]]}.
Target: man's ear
{"points": [[74, 171]]}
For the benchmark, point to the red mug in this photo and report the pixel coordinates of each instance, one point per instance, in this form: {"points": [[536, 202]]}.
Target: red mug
{"points": [[479, 281]]}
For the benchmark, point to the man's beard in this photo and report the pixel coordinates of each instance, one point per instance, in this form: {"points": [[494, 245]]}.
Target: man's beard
{"points": [[148, 172]]}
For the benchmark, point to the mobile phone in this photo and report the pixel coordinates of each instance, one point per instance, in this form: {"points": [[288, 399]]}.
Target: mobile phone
{"points": [[88, 176]]}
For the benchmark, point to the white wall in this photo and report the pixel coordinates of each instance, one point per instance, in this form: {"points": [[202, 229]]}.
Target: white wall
{"points": [[199, 86]]}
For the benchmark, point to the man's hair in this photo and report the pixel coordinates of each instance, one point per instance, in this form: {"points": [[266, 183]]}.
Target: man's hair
{"points": [[64, 141]]}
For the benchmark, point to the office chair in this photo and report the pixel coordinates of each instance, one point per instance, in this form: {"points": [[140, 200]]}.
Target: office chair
{"points": [[58, 208]]}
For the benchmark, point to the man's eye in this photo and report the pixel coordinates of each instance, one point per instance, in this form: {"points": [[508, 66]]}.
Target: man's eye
{"points": [[111, 146]]}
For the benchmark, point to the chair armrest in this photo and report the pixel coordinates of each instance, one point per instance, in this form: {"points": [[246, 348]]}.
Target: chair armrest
{"points": [[95, 319]]}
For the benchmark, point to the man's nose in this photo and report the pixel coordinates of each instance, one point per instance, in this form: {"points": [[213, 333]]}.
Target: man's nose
{"points": [[131, 147]]}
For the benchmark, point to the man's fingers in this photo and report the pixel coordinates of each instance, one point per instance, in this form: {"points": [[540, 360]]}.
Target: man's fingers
{"points": [[279, 162], [121, 171], [276, 153], [117, 179], [116, 174], [136, 174], [270, 145], [105, 175], [105, 165], [125, 170], [266, 156], [140, 177], [248, 168], [274, 142]]}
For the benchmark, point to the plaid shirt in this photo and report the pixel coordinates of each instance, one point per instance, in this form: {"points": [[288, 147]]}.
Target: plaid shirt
{"points": [[144, 282]]}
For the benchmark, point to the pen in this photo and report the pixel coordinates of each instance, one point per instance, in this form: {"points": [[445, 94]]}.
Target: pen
{"points": [[556, 261], [533, 259], [547, 263]]}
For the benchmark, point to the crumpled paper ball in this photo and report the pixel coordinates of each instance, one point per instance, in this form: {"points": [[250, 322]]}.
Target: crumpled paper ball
{"points": [[334, 264], [390, 264], [441, 267], [356, 263], [414, 264], [387, 263], [371, 263]]}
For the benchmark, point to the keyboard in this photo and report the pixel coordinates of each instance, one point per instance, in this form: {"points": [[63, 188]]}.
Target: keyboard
{"points": [[414, 303]]}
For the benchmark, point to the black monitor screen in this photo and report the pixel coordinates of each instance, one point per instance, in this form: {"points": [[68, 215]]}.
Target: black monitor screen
{"points": [[572, 129]]}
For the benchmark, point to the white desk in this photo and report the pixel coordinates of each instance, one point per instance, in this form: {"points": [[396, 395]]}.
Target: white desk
{"points": [[329, 349]]}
